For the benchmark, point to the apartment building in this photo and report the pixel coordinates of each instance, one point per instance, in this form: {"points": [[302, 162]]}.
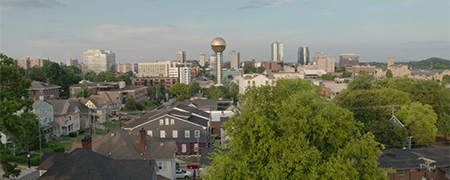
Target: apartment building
{"points": [[155, 69], [98, 60], [43, 91], [163, 83]]}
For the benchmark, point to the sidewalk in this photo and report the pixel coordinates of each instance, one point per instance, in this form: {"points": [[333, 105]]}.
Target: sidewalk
{"points": [[22, 166]]}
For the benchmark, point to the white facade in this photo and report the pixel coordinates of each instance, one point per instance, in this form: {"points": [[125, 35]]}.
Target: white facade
{"points": [[277, 51], [212, 62], [185, 75], [325, 63], [235, 60], [173, 72], [72, 62], [154, 69], [98, 60], [257, 80], [201, 60]]}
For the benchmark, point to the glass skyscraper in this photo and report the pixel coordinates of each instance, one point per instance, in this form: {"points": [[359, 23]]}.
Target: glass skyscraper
{"points": [[303, 55]]}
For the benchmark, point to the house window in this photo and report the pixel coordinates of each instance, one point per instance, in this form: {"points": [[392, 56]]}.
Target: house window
{"points": [[400, 172], [162, 165], [162, 134], [187, 134], [183, 148], [172, 121], [150, 133], [167, 121], [70, 118], [412, 170], [175, 134], [161, 122], [197, 133]]}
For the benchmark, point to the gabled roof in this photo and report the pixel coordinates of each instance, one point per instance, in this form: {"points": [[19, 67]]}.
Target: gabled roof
{"points": [[58, 106], [97, 102], [37, 103], [109, 96], [85, 164], [409, 158], [396, 121], [84, 110]]}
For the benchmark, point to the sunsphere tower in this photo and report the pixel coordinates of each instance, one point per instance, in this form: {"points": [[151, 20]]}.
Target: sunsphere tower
{"points": [[218, 46]]}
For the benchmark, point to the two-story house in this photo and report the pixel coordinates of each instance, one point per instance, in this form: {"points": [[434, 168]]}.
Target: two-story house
{"points": [[43, 91], [100, 108], [113, 98], [86, 114], [45, 115], [66, 115], [188, 126]]}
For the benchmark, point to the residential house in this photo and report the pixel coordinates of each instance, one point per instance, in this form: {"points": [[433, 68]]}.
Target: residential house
{"points": [[44, 114], [100, 108], [95, 87], [43, 91], [410, 163], [208, 105], [88, 165], [113, 98], [215, 123], [66, 115], [122, 144], [186, 125], [435, 74], [86, 114]]}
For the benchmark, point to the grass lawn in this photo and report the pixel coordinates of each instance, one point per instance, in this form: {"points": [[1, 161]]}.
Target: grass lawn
{"points": [[47, 150], [188, 160]]}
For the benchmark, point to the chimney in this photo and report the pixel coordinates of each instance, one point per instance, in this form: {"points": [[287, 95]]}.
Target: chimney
{"points": [[86, 142], [143, 141]]}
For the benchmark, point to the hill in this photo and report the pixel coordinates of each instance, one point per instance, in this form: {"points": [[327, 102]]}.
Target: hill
{"points": [[437, 63]]}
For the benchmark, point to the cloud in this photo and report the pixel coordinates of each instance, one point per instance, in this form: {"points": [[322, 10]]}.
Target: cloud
{"points": [[31, 3], [249, 7], [281, 3], [172, 26], [327, 13], [426, 42]]}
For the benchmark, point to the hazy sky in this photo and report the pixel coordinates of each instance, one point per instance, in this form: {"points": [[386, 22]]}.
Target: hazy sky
{"points": [[149, 30]]}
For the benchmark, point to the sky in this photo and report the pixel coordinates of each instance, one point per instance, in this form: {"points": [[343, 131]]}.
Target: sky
{"points": [[149, 30]]}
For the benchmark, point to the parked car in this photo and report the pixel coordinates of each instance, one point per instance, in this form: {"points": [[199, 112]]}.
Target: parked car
{"points": [[180, 174], [193, 165]]}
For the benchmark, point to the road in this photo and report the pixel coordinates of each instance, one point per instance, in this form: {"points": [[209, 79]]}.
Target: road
{"points": [[23, 173]]}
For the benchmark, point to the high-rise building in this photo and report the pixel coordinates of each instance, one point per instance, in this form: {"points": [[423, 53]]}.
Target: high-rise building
{"points": [[180, 56], [324, 63], [277, 51], [235, 60], [212, 62], [201, 60], [185, 75], [98, 60], [72, 62], [348, 59], [303, 55], [124, 68], [155, 69]]}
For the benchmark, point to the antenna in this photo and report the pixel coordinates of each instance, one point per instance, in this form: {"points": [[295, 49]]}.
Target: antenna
{"points": [[428, 163]]}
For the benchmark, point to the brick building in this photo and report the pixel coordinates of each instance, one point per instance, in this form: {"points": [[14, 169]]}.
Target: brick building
{"points": [[43, 91]]}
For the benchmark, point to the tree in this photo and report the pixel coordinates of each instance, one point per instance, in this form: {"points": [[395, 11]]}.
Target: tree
{"points": [[130, 73], [100, 77], [35, 74], [9, 169], [445, 79], [362, 81], [16, 120], [85, 91], [230, 76], [420, 121], [346, 74], [315, 139], [260, 69], [389, 74], [90, 76], [124, 78], [110, 77], [182, 91], [195, 87], [329, 77], [340, 69], [130, 103], [216, 92]]}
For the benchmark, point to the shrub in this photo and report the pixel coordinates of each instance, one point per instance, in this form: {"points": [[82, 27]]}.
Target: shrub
{"points": [[20, 159], [139, 106], [73, 134], [35, 160], [81, 131], [58, 149]]}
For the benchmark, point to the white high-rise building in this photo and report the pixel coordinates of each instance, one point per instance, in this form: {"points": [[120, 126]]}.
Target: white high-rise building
{"points": [[201, 60], [98, 60], [235, 60], [155, 69], [185, 75], [277, 51], [212, 62]]}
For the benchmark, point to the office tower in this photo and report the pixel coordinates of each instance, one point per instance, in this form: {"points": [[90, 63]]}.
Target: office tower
{"points": [[235, 60], [201, 60], [277, 51], [348, 59], [218, 45], [72, 62], [303, 55], [324, 63], [98, 60], [180, 56], [154, 69]]}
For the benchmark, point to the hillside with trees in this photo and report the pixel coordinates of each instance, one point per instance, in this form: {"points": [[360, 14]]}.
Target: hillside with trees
{"points": [[430, 63]]}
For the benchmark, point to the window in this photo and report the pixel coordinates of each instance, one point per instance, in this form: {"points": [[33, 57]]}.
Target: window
{"points": [[162, 165], [195, 147], [197, 133], [150, 133], [161, 122], [167, 121], [70, 118], [175, 134], [248, 82], [187, 134], [183, 148], [172, 121], [400, 172], [434, 171], [162, 134], [412, 170]]}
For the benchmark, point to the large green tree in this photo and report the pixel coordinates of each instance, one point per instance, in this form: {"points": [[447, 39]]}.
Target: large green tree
{"points": [[389, 74], [85, 91], [195, 87], [363, 80], [61, 76], [445, 79], [290, 132], [35, 74], [420, 121], [181, 91], [16, 120]]}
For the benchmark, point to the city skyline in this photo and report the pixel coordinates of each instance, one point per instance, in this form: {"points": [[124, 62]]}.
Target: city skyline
{"points": [[143, 31]]}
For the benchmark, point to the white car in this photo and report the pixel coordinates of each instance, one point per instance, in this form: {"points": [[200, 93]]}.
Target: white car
{"points": [[180, 174]]}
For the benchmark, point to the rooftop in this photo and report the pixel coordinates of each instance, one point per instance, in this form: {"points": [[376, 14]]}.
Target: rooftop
{"points": [[409, 158], [37, 85]]}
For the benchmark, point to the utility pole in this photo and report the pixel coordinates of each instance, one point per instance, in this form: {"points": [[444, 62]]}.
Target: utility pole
{"points": [[28, 153], [40, 144], [427, 164]]}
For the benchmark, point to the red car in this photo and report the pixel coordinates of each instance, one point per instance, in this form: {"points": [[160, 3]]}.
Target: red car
{"points": [[193, 165]]}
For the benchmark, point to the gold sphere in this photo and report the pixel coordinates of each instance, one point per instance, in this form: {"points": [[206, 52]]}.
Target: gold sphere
{"points": [[218, 44]]}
